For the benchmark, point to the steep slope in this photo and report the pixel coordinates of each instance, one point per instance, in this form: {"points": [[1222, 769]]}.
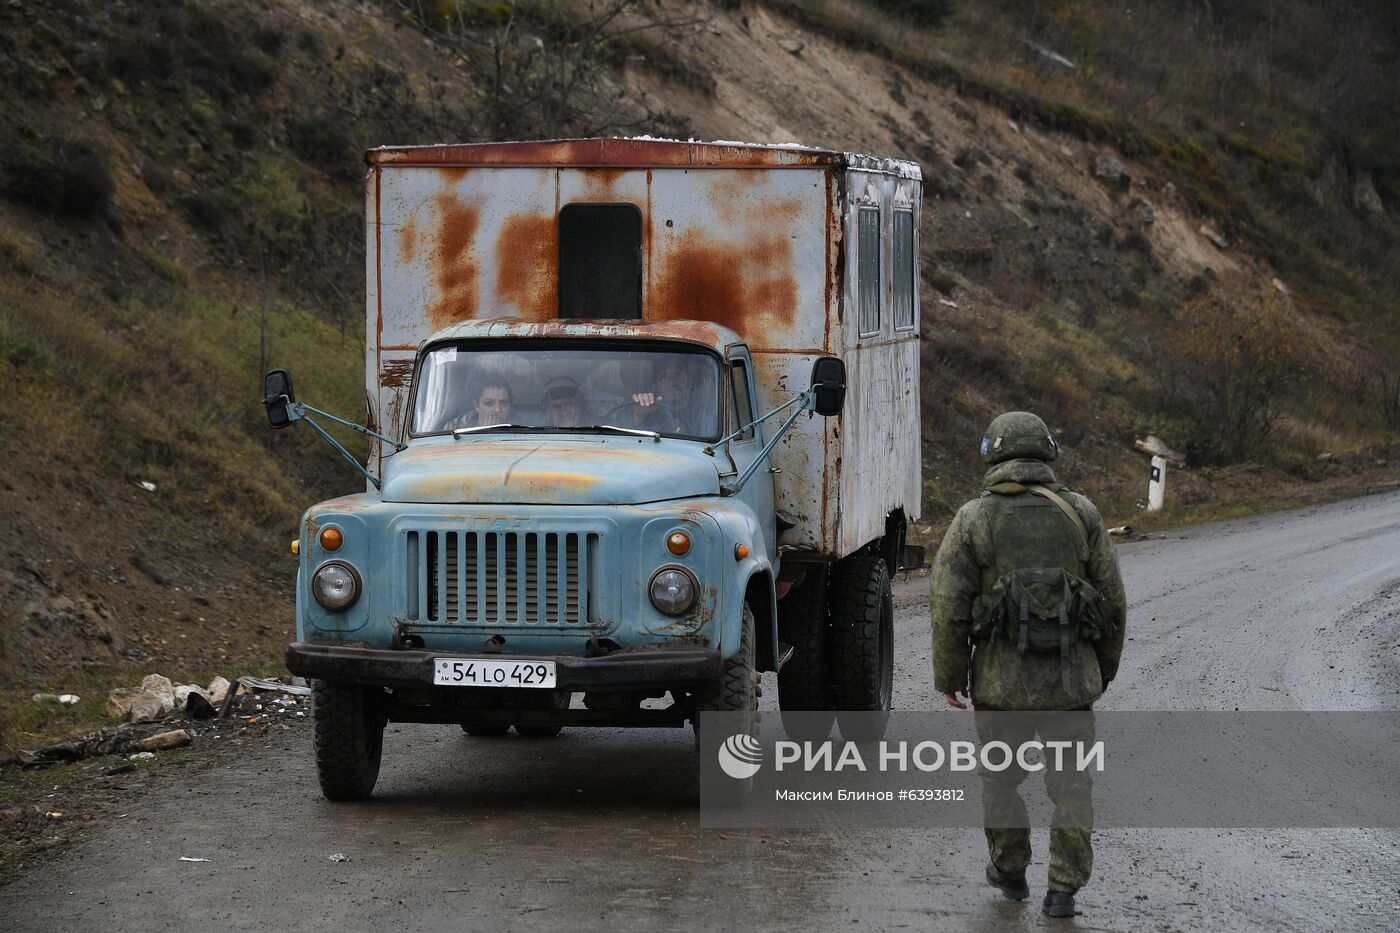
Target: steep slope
{"points": [[180, 209]]}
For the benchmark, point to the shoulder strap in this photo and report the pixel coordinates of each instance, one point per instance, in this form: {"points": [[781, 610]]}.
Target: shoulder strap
{"points": [[1007, 489], [1063, 505]]}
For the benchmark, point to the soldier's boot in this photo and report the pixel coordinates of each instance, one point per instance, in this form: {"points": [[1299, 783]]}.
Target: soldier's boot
{"points": [[1058, 904], [1014, 888]]}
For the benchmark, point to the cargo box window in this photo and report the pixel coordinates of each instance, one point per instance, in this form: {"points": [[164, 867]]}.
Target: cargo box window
{"points": [[600, 261], [868, 270], [904, 283]]}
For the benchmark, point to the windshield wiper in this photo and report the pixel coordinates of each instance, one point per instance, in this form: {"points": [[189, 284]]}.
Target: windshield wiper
{"points": [[554, 429], [635, 432], [458, 432]]}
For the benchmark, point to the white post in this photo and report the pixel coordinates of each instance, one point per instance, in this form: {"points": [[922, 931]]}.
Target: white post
{"points": [[1157, 484]]}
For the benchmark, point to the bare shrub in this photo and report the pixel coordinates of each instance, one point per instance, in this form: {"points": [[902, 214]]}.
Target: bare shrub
{"points": [[58, 177], [1225, 367], [1388, 390], [929, 13]]}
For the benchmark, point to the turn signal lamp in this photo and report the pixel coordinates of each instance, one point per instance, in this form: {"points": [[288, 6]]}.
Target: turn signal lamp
{"points": [[296, 546], [678, 543], [331, 539], [741, 551]]}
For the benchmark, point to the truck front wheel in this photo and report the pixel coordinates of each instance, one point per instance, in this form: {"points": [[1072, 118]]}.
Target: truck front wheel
{"points": [[735, 692], [349, 739], [862, 646]]}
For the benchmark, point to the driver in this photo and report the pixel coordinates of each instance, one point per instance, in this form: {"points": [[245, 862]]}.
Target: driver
{"points": [[667, 407], [491, 406]]}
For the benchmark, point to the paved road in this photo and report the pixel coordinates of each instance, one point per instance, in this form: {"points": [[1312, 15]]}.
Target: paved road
{"points": [[597, 829]]}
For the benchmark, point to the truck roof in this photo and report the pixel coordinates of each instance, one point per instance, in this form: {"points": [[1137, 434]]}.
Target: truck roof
{"points": [[702, 332], [637, 152]]}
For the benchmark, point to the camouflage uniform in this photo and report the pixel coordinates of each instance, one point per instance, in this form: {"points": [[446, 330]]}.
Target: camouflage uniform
{"points": [[1001, 679]]}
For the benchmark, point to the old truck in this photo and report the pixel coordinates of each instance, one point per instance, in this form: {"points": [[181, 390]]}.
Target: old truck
{"points": [[643, 422]]}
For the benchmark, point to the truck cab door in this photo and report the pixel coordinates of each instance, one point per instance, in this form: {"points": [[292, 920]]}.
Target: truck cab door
{"points": [[741, 407]]}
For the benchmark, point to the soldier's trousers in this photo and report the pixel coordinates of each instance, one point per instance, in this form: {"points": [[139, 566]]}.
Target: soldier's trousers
{"points": [[1070, 790]]}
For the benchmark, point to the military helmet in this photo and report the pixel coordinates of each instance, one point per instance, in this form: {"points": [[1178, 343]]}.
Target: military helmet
{"points": [[1018, 435]]}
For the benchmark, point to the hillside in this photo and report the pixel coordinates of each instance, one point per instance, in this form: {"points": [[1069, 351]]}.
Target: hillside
{"points": [[180, 209]]}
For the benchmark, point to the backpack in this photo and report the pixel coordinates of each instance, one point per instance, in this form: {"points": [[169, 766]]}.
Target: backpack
{"points": [[1035, 596]]}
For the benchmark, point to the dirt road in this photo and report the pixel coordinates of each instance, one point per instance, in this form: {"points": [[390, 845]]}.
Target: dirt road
{"points": [[597, 829]]}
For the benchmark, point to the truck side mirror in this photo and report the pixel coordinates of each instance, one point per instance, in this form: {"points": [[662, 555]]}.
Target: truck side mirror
{"points": [[277, 396], [828, 385]]}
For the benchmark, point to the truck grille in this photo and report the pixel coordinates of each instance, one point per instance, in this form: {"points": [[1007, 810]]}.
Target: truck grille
{"points": [[499, 577]]}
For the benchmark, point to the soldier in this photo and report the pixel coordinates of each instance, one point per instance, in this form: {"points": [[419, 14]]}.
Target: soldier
{"points": [[1028, 615]]}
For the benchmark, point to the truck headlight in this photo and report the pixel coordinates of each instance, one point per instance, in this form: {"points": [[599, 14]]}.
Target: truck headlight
{"points": [[335, 585], [672, 590]]}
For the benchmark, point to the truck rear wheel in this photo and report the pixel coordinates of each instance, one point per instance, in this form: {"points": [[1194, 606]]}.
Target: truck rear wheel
{"points": [[349, 739], [804, 683], [862, 646]]}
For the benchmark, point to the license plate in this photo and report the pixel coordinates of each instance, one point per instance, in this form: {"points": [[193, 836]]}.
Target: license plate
{"points": [[459, 672]]}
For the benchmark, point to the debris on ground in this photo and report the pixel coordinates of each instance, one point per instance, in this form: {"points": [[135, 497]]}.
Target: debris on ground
{"points": [[240, 711], [218, 688], [338, 857], [133, 704], [272, 683], [158, 697], [175, 738], [62, 699], [187, 858]]}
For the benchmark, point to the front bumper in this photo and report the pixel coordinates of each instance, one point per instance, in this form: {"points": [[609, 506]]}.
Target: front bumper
{"points": [[642, 667]]}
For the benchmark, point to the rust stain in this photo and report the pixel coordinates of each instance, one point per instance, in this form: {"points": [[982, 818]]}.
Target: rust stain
{"points": [[395, 374], [527, 264], [606, 152], [408, 241], [457, 270], [747, 287], [599, 182]]}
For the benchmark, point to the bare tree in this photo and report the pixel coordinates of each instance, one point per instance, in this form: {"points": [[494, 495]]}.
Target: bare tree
{"points": [[543, 68]]}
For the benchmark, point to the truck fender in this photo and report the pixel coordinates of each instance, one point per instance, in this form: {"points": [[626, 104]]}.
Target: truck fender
{"points": [[758, 591]]}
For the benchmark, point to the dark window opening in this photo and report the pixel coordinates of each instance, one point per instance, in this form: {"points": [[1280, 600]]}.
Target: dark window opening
{"points": [[868, 269], [600, 261], [903, 270]]}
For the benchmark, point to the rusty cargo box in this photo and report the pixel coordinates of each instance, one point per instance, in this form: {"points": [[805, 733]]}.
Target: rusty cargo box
{"points": [[802, 252]]}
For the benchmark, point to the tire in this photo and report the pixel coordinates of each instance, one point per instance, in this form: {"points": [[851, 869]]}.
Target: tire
{"points": [[486, 730], [862, 646], [734, 692], [804, 683], [555, 701], [349, 739]]}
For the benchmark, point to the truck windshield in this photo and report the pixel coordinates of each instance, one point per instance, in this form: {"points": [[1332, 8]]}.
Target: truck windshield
{"points": [[568, 388]]}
